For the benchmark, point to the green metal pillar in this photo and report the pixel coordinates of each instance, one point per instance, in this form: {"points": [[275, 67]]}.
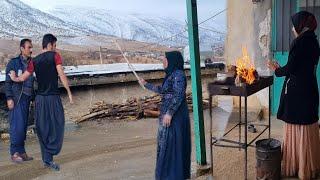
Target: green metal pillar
{"points": [[196, 81]]}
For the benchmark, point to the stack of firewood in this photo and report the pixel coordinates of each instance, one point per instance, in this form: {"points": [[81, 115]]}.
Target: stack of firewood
{"points": [[132, 109]]}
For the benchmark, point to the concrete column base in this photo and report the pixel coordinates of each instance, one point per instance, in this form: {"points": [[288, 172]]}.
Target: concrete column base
{"points": [[199, 170]]}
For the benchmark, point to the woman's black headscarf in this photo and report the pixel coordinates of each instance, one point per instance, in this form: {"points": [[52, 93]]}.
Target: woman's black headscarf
{"points": [[300, 21], [304, 19], [175, 62]]}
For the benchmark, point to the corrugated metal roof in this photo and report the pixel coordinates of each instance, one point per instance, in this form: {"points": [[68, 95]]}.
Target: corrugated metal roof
{"points": [[100, 69], [109, 68]]}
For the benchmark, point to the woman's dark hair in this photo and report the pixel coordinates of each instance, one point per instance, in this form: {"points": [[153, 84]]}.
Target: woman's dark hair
{"points": [[175, 61], [304, 19], [48, 39]]}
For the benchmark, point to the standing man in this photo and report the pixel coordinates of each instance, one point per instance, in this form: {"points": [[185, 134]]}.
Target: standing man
{"points": [[49, 114], [19, 96]]}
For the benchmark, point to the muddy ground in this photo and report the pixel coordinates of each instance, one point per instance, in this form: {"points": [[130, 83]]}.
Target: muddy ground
{"points": [[126, 150]]}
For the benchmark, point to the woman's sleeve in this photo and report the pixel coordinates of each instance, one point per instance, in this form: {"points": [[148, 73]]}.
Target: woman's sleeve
{"points": [[8, 81], [292, 64], [151, 87], [179, 90]]}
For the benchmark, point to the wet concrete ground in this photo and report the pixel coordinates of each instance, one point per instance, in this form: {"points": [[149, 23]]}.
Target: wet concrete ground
{"points": [[126, 150]]}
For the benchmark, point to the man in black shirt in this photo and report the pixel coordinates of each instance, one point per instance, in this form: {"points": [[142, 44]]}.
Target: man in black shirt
{"points": [[49, 113]]}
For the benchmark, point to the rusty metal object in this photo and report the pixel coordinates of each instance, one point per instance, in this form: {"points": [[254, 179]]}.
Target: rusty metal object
{"points": [[268, 155], [230, 89], [246, 90]]}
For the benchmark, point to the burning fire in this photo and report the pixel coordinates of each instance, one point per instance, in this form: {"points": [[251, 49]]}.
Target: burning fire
{"points": [[245, 68]]}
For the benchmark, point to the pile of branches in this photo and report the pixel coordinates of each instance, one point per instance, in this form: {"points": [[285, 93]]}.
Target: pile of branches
{"points": [[132, 109]]}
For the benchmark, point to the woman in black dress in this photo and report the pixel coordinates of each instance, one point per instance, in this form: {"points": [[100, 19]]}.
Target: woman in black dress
{"points": [[299, 102]]}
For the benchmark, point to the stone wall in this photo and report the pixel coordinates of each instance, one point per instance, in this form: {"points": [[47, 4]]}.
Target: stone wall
{"points": [[249, 25]]}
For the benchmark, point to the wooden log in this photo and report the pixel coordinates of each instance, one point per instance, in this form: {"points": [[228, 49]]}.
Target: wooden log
{"points": [[151, 113], [88, 116], [149, 106]]}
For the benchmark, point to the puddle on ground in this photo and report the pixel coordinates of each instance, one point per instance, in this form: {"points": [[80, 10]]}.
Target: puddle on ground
{"points": [[71, 126]]}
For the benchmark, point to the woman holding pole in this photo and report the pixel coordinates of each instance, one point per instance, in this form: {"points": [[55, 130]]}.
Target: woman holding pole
{"points": [[174, 139]]}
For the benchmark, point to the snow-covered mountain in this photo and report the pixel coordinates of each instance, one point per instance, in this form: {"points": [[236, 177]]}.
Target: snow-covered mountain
{"points": [[20, 20], [129, 26], [138, 27]]}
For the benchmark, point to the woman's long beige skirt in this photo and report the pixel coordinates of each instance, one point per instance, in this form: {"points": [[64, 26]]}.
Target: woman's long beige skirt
{"points": [[301, 151]]}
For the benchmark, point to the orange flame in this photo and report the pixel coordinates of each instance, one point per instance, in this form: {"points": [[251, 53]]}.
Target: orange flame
{"points": [[245, 68]]}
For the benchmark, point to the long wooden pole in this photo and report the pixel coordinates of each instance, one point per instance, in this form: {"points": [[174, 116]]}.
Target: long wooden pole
{"points": [[100, 50], [130, 65]]}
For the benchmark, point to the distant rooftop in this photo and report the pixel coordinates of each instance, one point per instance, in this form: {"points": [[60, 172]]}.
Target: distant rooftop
{"points": [[100, 69]]}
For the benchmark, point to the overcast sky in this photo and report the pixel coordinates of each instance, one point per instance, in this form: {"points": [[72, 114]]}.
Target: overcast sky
{"points": [[170, 8]]}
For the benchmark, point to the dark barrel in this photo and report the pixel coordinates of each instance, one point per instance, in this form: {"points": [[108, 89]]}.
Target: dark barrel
{"points": [[268, 154]]}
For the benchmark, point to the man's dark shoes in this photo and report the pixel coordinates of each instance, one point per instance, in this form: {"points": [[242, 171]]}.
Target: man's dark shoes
{"points": [[52, 165], [16, 158], [25, 157]]}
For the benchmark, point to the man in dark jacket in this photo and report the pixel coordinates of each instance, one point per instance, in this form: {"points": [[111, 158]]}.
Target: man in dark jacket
{"points": [[19, 97], [49, 113]]}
